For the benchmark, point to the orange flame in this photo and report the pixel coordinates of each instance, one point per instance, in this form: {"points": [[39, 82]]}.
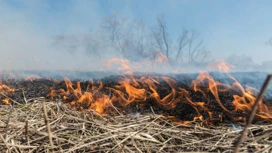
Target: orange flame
{"points": [[124, 65], [90, 99], [6, 89], [147, 88], [133, 91], [158, 57], [6, 101]]}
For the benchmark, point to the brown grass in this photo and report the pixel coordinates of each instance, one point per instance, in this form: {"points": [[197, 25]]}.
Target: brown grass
{"points": [[47, 126]]}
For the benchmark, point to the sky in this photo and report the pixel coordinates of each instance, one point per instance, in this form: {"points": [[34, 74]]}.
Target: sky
{"points": [[227, 26]]}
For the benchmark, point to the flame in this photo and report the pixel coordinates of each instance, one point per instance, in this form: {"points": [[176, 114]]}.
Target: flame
{"points": [[132, 89], [124, 65], [244, 101], [128, 67], [212, 86], [52, 93], [158, 57], [91, 99], [220, 65], [168, 101], [6, 89], [6, 101]]}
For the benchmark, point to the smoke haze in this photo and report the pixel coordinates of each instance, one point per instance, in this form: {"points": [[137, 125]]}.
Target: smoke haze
{"points": [[29, 29]]}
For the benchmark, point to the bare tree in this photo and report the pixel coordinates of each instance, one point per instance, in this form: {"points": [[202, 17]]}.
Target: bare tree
{"points": [[140, 38], [182, 42], [129, 37], [158, 41], [161, 37], [190, 48], [188, 42], [162, 26], [112, 25], [195, 47]]}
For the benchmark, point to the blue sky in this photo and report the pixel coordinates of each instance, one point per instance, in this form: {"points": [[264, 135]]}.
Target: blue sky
{"points": [[227, 26]]}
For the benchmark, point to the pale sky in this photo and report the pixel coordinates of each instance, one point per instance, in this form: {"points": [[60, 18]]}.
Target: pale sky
{"points": [[226, 26]]}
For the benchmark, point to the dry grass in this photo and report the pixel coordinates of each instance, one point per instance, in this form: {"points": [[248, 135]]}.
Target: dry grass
{"points": [[53, 127]]}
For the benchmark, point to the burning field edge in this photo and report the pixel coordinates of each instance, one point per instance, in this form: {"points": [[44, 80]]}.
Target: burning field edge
{"points": [[46, 126]]}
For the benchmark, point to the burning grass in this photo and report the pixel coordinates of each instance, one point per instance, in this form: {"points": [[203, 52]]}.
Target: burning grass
{"points": [[134, 114], [25, 128]]}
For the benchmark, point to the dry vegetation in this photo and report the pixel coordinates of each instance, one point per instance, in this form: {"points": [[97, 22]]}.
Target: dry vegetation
{"points": [[46, 126]]}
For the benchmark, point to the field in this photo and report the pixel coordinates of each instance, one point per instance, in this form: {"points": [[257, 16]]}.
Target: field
{"points": [[32, 120]]}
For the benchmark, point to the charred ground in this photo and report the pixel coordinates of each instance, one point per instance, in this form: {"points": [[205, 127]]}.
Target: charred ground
{"points": [[27, 89]]}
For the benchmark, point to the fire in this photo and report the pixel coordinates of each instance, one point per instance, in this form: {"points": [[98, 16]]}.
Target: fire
{"points": [[131, 89], [124, 65], [6, 89], [158, 58], [171, 99], [6, 101], [90, 99], [128, 67], [212, 85], [220, 65], [242, 102]]}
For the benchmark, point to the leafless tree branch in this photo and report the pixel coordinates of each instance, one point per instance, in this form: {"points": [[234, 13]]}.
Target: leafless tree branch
{"points": [[162, 26], [182, 42]]}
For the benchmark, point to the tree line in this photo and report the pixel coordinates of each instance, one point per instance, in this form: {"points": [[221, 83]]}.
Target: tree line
{"points": [[134, 41]]}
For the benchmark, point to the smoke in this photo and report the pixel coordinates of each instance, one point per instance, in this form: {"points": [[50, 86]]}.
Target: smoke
{"points": [[29, 33], [27, 43]]}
